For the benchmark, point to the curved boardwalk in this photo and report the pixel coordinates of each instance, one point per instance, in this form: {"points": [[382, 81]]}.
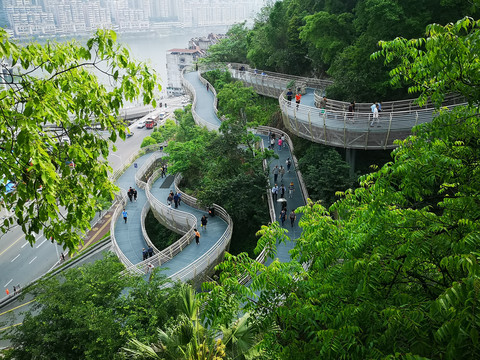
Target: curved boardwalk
{"points": [[335, 126]]}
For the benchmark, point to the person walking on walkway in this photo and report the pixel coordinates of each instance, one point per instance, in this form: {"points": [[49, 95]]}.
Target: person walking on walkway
{"points": [[130, 193], [282, 172], [175, 200], [197, 236], [288, 162], [135, 194], [292, 218], [272, 143], [275, 192], [291, 189], [150, 251], [298, 97], [375, 117], [280, 142], [323, 104], [283, 141], [170, 199], [282, 191], [275, 173], [208, 86], [204, 222], [289, 96], [144, 254], [124, 214], [179, 198], [283, 216]]}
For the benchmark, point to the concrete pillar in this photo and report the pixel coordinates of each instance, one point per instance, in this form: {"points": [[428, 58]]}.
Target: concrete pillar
{"points": [[350, 159]]}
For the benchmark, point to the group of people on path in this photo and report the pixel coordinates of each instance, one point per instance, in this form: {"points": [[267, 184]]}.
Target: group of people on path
{"points": [[147, 253], [283, 216], [298, 97], [280, 142], [132, 194], [176, 198]]}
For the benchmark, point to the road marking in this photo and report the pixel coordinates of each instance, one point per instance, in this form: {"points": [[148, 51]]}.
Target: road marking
{"points": [[15, 258], [41, 243], [20, 238], [16, 307], [8, 327], [8, 283], [26, 243], [32, 260]]}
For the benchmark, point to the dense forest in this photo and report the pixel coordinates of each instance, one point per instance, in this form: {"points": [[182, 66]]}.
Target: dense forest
{"points": [[391, 270], [335, 38]]}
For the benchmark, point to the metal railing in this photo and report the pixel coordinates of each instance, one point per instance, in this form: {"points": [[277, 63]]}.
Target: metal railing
{"points": [[387, 106], [198, 119], [215, 252], [351, 130]]}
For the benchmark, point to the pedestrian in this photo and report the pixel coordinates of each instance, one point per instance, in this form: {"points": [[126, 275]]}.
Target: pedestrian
{"points": [[375, 117], [373, 106], [130, 193], [14, 290], [289, 163], [150, 251], [179, 198], [63, 256], [169, 199], [275, 173], [150, 268], [208, 86], [283, 141], [145, 254], [379, 104], [283, 216], [196, 66], [163, 171], [291, 189], [280, 142], [197, 236], [323, 104], [292, 218], [275, 192], [298, 97], [351, 110], [272, 143], [289, 96], [282, 191], [204, 222], [282, 172], [8, 292], [124, 214], [135, 193], [175, 200]]}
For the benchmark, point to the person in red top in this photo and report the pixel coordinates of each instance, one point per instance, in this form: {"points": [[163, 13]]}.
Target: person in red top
{"points": [[297, 98]]}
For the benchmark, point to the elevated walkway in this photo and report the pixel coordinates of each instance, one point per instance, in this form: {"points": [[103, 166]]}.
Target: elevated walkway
{"points": [[334, 125]]}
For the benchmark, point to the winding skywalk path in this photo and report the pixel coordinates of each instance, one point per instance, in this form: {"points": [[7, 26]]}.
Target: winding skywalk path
{"points": [[186, 260], [335, 125]]}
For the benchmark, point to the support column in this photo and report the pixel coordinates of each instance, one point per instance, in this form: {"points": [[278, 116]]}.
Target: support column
{"points": [[350, 159]]}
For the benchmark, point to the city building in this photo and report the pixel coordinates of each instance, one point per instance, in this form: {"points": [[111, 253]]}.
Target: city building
{"points": [[70, 17]]}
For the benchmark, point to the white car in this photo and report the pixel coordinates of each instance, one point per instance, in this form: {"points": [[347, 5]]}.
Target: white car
{"points": [[141, 124]]}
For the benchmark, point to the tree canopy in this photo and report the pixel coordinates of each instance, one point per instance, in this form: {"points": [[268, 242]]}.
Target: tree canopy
{"points": [[393, 267], [51, 95]]}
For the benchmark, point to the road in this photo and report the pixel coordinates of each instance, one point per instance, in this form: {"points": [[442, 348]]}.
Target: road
{"points": [[21, 263]]}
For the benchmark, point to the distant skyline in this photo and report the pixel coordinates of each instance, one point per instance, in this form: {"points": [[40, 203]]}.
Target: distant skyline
{"points": [[23, 18]]}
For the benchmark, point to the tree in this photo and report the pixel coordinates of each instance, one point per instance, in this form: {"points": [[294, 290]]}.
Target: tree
{"points": [[231, 49], [50, 99], [147, 141], [87, 314], [325, 173], [187, 338], [395, 273]]}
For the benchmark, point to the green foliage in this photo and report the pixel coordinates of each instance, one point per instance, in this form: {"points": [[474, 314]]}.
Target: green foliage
{"points": [[324, 173], [86, 313], [147, 141], [232, 49], [160, 236], [395, 273], [38, 111]]}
